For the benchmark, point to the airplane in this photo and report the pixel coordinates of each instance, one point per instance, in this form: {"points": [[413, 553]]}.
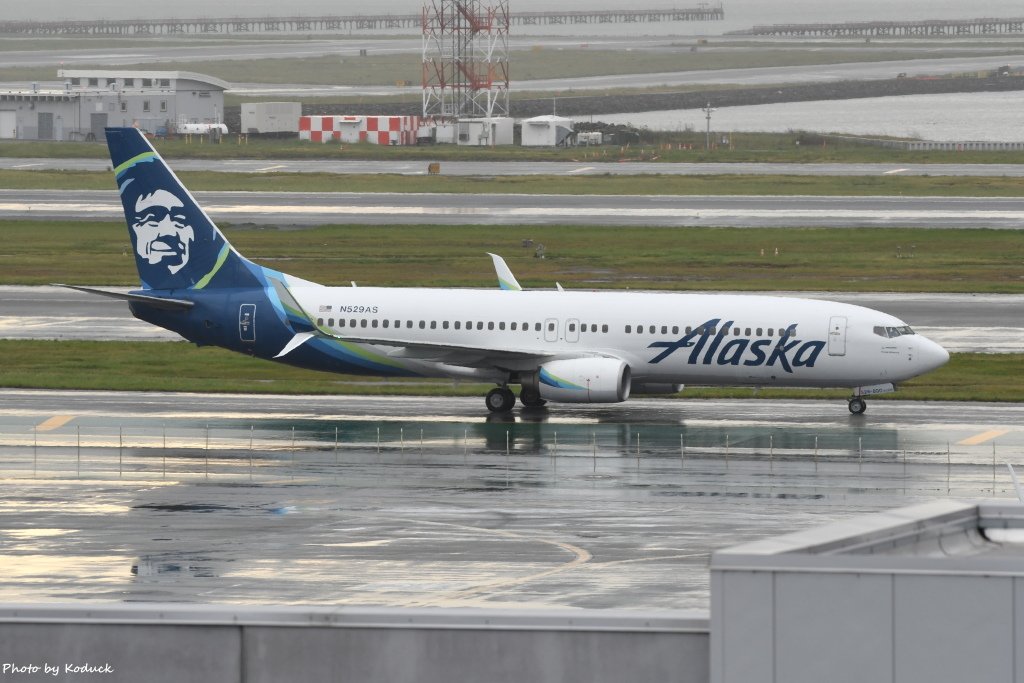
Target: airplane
{"points": [[560, 346]]}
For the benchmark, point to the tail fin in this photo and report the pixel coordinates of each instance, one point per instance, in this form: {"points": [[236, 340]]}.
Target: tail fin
{"points": [[176, 244]]}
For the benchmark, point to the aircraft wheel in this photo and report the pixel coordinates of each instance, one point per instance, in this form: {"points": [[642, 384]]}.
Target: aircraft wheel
{"points": [[500, 400], [531, 398], [858, 406]]}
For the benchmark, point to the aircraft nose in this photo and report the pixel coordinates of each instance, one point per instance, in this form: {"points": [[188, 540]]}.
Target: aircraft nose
{"points": [[931, 355]]}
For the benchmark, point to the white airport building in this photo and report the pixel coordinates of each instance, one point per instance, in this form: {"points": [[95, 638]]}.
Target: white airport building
{"points": [[89, 100]]}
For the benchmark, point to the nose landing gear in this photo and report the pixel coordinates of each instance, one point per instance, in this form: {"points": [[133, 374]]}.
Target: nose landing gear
{"points": [[858, 405]]}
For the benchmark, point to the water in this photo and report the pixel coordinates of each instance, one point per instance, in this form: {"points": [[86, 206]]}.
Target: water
{"points": [[988, 116], [740, 14]]}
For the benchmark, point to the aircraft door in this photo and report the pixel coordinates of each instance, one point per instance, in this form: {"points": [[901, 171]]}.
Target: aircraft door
{"points": [[247, 323], [837, 335], [572, 330], [551, 330]]}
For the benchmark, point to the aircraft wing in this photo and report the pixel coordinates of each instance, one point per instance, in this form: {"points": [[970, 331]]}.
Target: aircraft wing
{"points": [[447, 352], [457, 354]]}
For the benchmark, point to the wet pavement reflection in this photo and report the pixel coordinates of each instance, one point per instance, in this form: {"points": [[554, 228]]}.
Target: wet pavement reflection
{"points": [[373, 502]]}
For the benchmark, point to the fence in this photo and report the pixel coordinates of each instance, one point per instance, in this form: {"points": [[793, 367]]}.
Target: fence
{"points": [[878, 460]]}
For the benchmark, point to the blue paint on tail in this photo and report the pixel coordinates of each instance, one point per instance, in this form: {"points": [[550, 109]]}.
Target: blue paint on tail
{"points": [[176, 244]]}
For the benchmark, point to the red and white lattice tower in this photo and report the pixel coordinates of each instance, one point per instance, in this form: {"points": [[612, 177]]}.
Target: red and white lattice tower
{"points": [[465, 59]]}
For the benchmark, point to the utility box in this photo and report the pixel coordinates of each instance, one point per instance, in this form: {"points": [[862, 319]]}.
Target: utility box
{"points": [[591, 138], [485, 132], [547, 131], [271, 117]]}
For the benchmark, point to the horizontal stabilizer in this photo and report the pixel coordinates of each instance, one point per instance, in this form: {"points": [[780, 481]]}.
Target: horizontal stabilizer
{"points": [[294, 343], [154, 301]]}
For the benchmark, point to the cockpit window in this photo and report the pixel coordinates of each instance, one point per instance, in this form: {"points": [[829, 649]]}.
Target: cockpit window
{"points": [[892, 332]]}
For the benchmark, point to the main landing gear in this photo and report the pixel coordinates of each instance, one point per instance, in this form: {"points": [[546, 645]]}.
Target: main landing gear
{"points": [[500, 400], [858, 405], [531, 398]]}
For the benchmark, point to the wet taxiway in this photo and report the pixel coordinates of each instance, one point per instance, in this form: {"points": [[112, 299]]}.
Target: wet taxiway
{"points": [[425, 501], [383, 208]]}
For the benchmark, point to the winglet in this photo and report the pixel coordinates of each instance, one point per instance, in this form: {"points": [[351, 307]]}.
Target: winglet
{"points": [[506, 280], [1016, 483]]}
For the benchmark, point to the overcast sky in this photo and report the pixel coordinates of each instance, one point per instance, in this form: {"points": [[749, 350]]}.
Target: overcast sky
{"points": [[739, 13]]}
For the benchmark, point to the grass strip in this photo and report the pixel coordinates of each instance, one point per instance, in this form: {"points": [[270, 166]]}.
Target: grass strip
{"points": [[534, 62], [681, 146], [580, 257], [149, 366], [907, 186]]}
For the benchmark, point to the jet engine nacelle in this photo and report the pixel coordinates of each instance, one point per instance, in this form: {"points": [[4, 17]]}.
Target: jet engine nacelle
{"points": [[657, 388], [582, 380]]}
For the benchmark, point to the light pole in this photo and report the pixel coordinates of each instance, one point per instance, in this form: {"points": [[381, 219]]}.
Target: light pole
{"points": [[707, 109]]}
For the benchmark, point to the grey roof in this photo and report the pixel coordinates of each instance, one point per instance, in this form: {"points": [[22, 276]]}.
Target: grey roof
{"points": [[938, 537], [121, 73]]}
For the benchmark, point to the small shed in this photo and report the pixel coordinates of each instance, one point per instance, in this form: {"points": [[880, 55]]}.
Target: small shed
{"points": [[271, 117], [547, 131]]}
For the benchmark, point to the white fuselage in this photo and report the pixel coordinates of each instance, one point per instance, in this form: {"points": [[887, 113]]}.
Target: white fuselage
{"points": [[766, 340]]}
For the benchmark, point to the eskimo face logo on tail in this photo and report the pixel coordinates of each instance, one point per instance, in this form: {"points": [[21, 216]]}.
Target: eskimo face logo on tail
{"points": [[163, 235]]}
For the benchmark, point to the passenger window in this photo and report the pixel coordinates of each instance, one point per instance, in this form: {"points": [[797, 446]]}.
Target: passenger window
{"points": [[736, 331], [688, 329], [341, 322], [629, 328], [604, 328], [713, 331], [444, 324], [373, 323], [652, 329], [408, 324], [490, 326], [759, 332], [536, 327], [423, 325], [746, 332], [664, 329], [770, 331], [551, 327], [320, 321], [513, 327], [572, 327], [593, 327], [675, 329], [433, 324], [458, 324], [501, 326], [386, 323], [480, 325], [362, 323]]}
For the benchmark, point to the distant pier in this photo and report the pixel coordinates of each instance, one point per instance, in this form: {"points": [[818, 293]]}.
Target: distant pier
{"points": [[339, 24], [932, 28]]}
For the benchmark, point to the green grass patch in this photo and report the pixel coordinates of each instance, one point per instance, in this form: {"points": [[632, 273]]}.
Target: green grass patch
{"points": [[129, 366], [856, 259], [607, 184], [534, 62]]}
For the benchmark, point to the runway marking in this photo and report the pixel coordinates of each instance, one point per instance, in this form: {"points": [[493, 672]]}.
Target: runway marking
{"points": [[895, 170], [27, 165], [581, 557], [582, 169], [983, 437], [271, 168], [55, 422]]}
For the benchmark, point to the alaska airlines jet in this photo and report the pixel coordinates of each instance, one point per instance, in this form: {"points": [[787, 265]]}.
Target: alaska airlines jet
{"points": [[562, 346]]}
